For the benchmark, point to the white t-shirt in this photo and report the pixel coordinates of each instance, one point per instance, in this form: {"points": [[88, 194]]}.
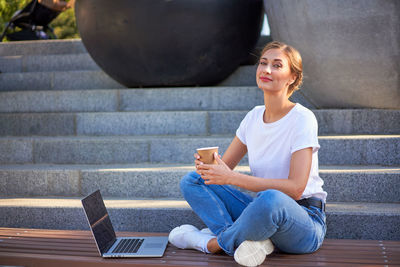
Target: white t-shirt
{"points": [[270, 145]]}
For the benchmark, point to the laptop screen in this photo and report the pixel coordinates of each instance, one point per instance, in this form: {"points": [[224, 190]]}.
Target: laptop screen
{"points": [[99, 221]]}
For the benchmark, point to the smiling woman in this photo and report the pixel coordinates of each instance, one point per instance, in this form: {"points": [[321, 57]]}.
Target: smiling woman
{"points": [[281, 139], [283, 60]]}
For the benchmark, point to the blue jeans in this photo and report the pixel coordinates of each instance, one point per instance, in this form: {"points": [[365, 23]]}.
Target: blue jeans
{"points": [[235, 216]]}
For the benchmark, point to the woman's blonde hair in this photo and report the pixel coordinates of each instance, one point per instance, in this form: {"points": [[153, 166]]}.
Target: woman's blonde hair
{"points": [[295, 62]]}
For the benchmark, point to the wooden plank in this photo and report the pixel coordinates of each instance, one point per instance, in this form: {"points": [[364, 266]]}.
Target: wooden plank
{"points": [[187, 262], [65, 248], [199, 262]]}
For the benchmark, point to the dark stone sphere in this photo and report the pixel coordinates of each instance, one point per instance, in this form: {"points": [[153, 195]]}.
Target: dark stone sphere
{"points": [[143, 43]]}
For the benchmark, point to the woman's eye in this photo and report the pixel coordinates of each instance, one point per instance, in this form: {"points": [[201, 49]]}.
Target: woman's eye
{"points": [[277, 66], [262, 63]]}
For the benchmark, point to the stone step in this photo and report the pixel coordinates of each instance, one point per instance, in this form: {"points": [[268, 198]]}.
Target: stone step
{"points": [[201, 122], [57, 80], [343, 183], [116, 123], [42, 47], [150, 99], [344, 220], [75, 46], [46, 63], [94, 79], [335, 150]]}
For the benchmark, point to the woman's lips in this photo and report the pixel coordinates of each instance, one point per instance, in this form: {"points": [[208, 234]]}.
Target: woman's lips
{"points": [[265, 79]]}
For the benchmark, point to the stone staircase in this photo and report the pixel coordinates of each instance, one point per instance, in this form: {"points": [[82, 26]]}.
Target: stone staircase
{"points": [[67, 129]]}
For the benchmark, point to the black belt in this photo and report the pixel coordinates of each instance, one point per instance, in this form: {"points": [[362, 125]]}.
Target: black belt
{"points": [[312, 201]]}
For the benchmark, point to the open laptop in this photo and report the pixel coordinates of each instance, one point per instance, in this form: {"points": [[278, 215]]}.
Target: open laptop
{"points": [[108, 244]]}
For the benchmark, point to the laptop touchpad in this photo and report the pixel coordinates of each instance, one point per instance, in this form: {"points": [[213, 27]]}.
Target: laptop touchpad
{"points": [[153, 245]]}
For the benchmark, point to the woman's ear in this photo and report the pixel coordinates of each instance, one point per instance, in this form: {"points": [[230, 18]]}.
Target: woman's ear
{"points": [[292, 79]]}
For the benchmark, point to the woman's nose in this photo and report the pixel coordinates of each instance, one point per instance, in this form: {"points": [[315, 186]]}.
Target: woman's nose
{"points": [[267, 69]]}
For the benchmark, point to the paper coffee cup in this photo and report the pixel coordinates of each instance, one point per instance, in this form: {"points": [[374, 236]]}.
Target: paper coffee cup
{"points": [[207, 154]]}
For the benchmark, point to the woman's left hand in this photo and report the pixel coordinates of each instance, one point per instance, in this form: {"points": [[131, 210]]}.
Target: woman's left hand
{"points": [[218, 173]]}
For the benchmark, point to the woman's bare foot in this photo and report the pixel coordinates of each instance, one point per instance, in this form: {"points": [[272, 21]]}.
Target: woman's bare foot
{"points": [[213, 246]]}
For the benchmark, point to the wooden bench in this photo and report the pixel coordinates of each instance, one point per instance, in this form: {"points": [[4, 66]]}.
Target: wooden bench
{"points": [[59, 248]]}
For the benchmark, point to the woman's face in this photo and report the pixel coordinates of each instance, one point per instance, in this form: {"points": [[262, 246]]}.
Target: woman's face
{"points": [[273, 72]]}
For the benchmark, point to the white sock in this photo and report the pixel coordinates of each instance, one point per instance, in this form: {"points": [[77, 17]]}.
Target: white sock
{"points": [[189, 237], [207, 231]]}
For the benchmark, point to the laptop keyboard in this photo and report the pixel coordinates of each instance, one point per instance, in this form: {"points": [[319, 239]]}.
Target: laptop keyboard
{"points": [[128, 246]]}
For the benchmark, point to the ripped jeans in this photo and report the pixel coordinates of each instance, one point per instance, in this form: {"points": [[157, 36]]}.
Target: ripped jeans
{"points": [[234, 216]]}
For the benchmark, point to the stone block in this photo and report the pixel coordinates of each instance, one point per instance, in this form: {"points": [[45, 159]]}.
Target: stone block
{"points": [[363, 227], [142, 123], [173, 99], [358, 121], [133, 184], [59, 101], [90, 150], [236, 97], [17, 151], [44, 217], [63, 62], [19, 81], [48, 63], [191, 98], [39, 182], [360, 150], [154, 220], [78, 80], [42, 47], [10, 64], [364, 185], [225, 122], [242, 76], [25, 124], [59, 80], [363, 221]]}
